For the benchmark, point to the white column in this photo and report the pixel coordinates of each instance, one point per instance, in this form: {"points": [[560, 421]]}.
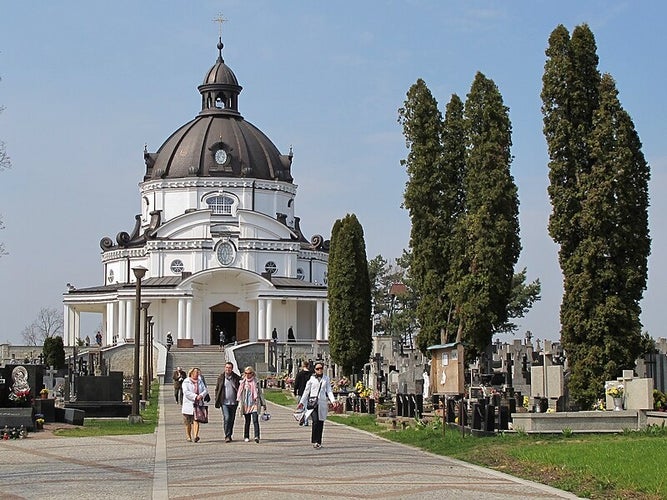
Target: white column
{"points": [[75, 324], [319, 320], [110, 323], [261, 319], [269, 318], [188, 318], [325, 332], [181, 319], [68, 327], [130, 311], [122, 313]]}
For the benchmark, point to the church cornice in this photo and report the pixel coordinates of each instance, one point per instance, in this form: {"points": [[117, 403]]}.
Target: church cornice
{"points": [[216, 183], [123, 253]]}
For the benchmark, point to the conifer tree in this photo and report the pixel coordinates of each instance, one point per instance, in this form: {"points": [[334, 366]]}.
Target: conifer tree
{"points": [[599, 194], [349, 296], [487, 235], [433, 197]]}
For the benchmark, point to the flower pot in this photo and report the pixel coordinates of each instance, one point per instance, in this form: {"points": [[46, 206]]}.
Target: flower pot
{"points": [[618, 404], [44, 396]]}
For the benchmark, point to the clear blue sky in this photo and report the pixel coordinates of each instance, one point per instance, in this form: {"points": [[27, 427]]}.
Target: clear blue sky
{"points": [[86, 84]]}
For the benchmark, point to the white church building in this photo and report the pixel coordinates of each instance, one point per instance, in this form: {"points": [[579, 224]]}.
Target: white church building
{"points": [[219, 238]]}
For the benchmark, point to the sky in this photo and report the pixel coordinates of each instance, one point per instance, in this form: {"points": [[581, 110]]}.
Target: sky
{"points": [[85, 85]]}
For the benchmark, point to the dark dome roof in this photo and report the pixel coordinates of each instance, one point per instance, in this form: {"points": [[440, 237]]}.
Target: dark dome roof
{"points": [[218, 142]]}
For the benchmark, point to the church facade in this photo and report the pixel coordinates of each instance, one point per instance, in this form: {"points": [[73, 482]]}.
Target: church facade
{"points": [[218, 236]]}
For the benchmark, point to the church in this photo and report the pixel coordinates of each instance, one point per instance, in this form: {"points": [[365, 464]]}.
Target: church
{"points": [[218, 236]]}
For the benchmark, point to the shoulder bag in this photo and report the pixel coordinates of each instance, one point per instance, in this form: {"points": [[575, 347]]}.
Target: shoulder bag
{"points": [[312, 400]]}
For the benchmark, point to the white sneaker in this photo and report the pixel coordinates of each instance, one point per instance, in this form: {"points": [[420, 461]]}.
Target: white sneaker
{"points": [[246, 440]]}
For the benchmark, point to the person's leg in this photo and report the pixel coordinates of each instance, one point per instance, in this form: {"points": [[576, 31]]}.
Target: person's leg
{"points": [[231, 420], [318, 426], [195, 430], [246, 426], [188, 427], [176, 391], [313, 432], [255, 424]]}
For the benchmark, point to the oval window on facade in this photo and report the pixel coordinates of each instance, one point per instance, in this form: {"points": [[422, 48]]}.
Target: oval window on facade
{"points": [[177, 266], [271, 267]]}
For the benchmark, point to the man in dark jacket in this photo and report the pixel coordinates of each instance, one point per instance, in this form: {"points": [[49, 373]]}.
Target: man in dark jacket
{"points": [[225, 398], [301, 380], [178, 378]]}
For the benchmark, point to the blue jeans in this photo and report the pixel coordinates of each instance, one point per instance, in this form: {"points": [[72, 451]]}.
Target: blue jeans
{"points": [[228, 417]]}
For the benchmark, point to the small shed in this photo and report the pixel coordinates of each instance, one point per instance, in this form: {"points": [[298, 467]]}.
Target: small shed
{"points": [[447, 374]]}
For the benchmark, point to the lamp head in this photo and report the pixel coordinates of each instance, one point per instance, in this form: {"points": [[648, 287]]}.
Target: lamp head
{"points": [[139, 272]]}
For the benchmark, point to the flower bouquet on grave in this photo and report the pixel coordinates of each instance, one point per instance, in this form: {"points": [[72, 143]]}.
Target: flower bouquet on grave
{"points": [[21, 398], [615, 391], [599, 405]]}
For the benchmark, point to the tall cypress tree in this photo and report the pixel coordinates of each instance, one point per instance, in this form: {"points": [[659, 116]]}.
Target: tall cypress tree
{"points": [[349, 295], [423, 127], [599, 193], [488, 232]]}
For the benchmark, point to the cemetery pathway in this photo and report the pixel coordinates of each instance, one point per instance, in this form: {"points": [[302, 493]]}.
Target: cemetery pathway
{"points": [[351, 465]]}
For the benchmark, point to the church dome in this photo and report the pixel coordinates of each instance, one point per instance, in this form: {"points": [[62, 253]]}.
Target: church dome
{"points": [[218, 142]]}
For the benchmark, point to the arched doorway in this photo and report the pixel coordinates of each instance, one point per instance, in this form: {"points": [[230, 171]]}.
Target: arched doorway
{"points": [[228, 324]]}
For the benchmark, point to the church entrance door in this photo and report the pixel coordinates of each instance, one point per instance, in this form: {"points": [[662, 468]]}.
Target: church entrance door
{"points": [[223, 328]]}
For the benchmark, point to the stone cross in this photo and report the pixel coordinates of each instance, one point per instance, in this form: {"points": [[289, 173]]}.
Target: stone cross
{"points": [[49, 380]]}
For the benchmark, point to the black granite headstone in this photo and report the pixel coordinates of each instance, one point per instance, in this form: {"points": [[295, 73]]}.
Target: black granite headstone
{"points": [[107, 388], [16, 417]]}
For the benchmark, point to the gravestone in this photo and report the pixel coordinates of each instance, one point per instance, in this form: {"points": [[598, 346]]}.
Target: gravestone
{"points": [[637, 392], [19, 378], [547, 380], [17, 417], [99, 397]]}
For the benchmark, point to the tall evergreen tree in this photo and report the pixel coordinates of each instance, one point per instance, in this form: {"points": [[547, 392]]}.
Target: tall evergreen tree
{"points": [[433, 198], [488, 233], [599, 193], [349, 295]]}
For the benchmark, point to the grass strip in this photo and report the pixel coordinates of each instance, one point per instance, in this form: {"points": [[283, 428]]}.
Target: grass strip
{"points": [[119, 425]]}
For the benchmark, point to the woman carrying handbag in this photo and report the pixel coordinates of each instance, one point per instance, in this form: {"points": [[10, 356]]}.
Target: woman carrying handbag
{"points": [[194, 392], [315, 398]]}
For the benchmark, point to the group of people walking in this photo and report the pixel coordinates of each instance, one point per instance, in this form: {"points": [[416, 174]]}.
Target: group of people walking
{"points": [[233, 391]]}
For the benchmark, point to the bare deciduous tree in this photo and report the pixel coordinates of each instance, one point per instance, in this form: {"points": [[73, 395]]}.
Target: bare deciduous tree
{"points": [[49, 323]]}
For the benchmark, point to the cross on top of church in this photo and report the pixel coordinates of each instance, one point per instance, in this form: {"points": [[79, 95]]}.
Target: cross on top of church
{"points": [[220, 20]]}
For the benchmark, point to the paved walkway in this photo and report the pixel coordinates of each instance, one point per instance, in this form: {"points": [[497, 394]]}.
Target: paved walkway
{"points": [[351, 464]]}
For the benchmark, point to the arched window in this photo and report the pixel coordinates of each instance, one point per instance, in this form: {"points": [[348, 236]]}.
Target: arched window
{"points": [[221, 204]]}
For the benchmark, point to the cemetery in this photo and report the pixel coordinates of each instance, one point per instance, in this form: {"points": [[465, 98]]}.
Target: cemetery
{"points": [[514, 387], [33, 394]]}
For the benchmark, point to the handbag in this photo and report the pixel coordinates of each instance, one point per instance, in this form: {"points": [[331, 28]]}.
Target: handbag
{"points": [[299, 416], [312, 400], [201, 414], [266, 416], [312, 403]]}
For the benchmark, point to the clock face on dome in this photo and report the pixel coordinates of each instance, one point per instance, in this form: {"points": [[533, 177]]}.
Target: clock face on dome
{"points": [[221, 156], [225, 253]]}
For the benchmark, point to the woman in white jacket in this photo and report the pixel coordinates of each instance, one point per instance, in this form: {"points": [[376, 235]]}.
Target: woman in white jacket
{"points": [[194, 391], [319, 386]]}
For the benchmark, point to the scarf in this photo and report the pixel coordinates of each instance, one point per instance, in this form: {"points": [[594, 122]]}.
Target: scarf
{"points": [[250, 386]]}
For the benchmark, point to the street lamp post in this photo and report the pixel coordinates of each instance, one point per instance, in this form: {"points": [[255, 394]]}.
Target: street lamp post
{"points": [[150, 353], [144, 376], [135, 418]]}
